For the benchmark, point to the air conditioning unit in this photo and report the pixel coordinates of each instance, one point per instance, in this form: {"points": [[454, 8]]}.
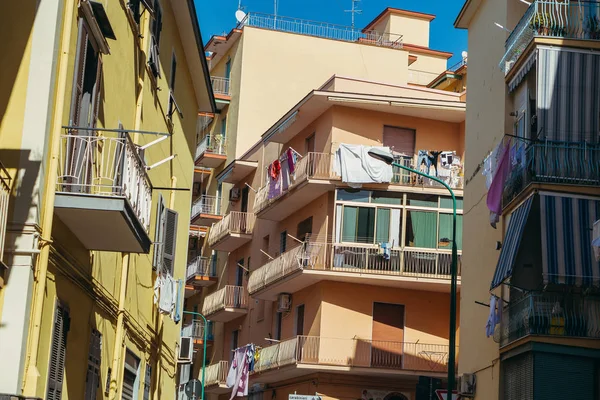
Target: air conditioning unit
{"points": [[466, 385], [284, 302], [234, 194], [186, 350]]}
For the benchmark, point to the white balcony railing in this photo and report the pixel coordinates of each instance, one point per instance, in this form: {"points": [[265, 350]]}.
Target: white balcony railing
{"points": [[220, 85], [216, 374], [201, 266], [205, 205], [234, 222], [195, 330], [4, 199], [228, 297], [91, 162], [215, 144]]}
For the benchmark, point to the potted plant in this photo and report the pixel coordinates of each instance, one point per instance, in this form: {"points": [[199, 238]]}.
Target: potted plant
{"points": [[540, 23], [592, 27]]}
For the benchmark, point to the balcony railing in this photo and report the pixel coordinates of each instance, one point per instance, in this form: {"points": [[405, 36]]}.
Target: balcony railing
{"points": [[216, 374], [234, 222], [554, 19], [215, 144], [554, 162], [360, 259], [4, 199], [195, 330], [315, 350], [322, 30], [201, 266], [91, 162], [228, 297], [453, 176], [551, 314], [220, 85], [205, 205]]}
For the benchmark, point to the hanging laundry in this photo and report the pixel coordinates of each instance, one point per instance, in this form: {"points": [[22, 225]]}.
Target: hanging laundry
{"points": [[433, 160], [423, 159], [237, 378], [354, 164], [385, 249], [494, 317], [167, 293], [494, 196], [252, 357], [275, 169], [158, 284], [274, 188], [285, 176], [177, 310], [291, 160]]}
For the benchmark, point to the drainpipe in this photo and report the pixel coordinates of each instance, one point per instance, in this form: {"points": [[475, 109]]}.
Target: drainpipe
{"points": [[32, 374], [120, 334]]}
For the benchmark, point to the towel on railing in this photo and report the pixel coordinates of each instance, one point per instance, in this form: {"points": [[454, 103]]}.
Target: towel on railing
{"points": [[354, 164]]}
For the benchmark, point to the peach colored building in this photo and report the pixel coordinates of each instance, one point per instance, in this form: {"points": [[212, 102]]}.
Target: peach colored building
{"points": [[297, 271]]}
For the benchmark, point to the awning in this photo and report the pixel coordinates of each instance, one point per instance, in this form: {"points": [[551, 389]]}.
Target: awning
{"points": [[520, 74], [512, 241], [567, 233]]}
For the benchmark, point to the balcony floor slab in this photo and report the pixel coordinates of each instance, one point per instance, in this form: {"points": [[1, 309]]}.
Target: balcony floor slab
{"points": [[226, 314], [231, 242]]}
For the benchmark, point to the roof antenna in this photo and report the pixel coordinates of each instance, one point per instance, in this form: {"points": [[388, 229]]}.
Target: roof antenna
{"points": [[240, 15], [354, 10]]}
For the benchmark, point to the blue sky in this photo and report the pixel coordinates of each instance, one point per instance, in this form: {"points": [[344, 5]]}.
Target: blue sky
{"points": [[218, 16]]}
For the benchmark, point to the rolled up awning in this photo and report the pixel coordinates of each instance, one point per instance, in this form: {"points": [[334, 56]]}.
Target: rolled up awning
{"points": [[512, 241]]}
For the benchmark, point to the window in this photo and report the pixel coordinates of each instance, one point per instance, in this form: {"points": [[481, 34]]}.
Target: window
{"points": [[421, 200], [282, 242], [172, 86], [219, 193], [92, 379], [234, 339], [265, 248], [310, 144], [353, 195], [135, 10], [277, 326], [148, 381], [260, 314], [58, 351], [224, 127], [358, 224], [445, 232], [155, 29], [239, 279], [228, 68], [421, 229], [131, 380], [165, 238], [304, 228], [400, 140], [300, 320]]}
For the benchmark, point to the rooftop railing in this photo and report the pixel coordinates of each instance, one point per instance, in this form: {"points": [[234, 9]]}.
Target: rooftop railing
{"points": [[321, 30], [103, 163], [554, 19]]}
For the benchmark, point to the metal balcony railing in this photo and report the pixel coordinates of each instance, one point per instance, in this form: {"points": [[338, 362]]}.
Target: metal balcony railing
{"points": [[215, 144], [353, 258], [453, 177], [228, 297], [551, 314], [555, 19], [102, 163], [316, 350], [195, 330], [201, 266], [205, 205], [321, 30], [220, 85], [216, 374], [234, 222], [573, 163], [5, 181]]}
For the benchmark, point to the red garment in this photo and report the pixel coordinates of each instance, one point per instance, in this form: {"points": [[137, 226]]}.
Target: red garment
{"points": [[275, 169]]}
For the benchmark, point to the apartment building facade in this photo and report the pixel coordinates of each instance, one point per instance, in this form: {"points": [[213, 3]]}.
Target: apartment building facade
{"points": [[97, 140], [539, 99]]}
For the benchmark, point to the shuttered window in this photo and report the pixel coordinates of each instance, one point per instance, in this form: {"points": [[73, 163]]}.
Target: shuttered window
{"points": [[130, 377], [92, 380], [401, 140], [159, 233], [518, 377], [58, 350], [170, 241], [147, 381], [155, 29]]}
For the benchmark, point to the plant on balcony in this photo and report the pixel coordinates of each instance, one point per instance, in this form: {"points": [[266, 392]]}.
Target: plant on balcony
{"points": [[592, 27], [540, 23]]}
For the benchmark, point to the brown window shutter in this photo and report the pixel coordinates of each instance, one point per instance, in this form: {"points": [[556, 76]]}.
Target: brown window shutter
{"points": [[168, 259], [56, 369], [401, 140]]}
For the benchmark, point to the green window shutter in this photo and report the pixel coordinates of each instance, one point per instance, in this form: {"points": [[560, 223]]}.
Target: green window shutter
{"points": [[159, 234], [56, 369], [168, 259], [93, 370]]}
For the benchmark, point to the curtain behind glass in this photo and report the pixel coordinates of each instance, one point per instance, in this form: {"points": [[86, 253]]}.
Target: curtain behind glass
{"points": [[349, 226], [366, 225], [446, 231], [421, 229], [383, 225]]}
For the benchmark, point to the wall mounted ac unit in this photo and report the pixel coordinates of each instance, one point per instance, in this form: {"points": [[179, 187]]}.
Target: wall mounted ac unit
{"points": [[466, 385], [284, 302], [186, 350], [234, 194]]}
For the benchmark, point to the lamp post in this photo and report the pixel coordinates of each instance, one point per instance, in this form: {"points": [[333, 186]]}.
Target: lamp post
{"points": [[203, 344], [387, 158]]}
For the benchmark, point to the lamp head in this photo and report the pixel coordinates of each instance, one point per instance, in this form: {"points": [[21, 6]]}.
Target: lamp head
{"points": [[381, 155]]}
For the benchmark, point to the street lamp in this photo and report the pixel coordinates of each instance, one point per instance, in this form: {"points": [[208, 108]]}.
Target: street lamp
{"points": [[387, 158], [204, 346]]}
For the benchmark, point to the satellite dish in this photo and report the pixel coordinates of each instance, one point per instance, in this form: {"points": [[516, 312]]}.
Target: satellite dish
{"points": [[464, 54], [240, 15]]}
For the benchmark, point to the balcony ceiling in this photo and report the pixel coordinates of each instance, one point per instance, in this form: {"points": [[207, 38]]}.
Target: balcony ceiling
{"points": [[236, 171], [226, 314], [232, 241], [206, 219], [297, 198], [210, 160]]}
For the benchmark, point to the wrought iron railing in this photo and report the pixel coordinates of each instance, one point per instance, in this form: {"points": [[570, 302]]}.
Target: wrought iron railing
{"points": [[201, 266], [551, 314], [103, 163], [353, 258], [215, 144], [321, 29], [220, 85], [205, 205], [234, 222], [228, 297], [5, 184], [453, 176], [216, 374], [574, 19], [572, 163]]}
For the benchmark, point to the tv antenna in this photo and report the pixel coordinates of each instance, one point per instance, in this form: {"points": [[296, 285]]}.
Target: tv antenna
{"points": [[354, 10]]}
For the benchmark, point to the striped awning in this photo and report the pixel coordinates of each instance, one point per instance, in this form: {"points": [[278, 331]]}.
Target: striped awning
{"points": [[567, 233], [512, 241], [525, 68]]}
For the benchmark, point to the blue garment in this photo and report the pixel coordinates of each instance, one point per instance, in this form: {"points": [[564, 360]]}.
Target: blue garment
{"points": [[387, 250], [177, 312], [250, 355], [423, 158]]}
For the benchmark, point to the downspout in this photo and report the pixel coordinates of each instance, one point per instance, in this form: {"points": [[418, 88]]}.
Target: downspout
{"points": [[120, 334], [32, 373]]}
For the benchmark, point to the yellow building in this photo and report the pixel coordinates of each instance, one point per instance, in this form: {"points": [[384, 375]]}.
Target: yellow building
{"points": [[292, 272], [99, 105], [537, 95]]}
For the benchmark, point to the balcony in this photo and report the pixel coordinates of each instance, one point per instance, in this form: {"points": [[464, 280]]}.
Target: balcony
{"points": [[221, 90], [103, 194], [226, 304], [551, 314], [215, 378], [205, 211], [211, 151], [551, 19], [195, 330], [233, 231], [306, 265], [5, 180], [402, 177], [555, 163], [314, 177], [304, 355], [201, 272]]}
